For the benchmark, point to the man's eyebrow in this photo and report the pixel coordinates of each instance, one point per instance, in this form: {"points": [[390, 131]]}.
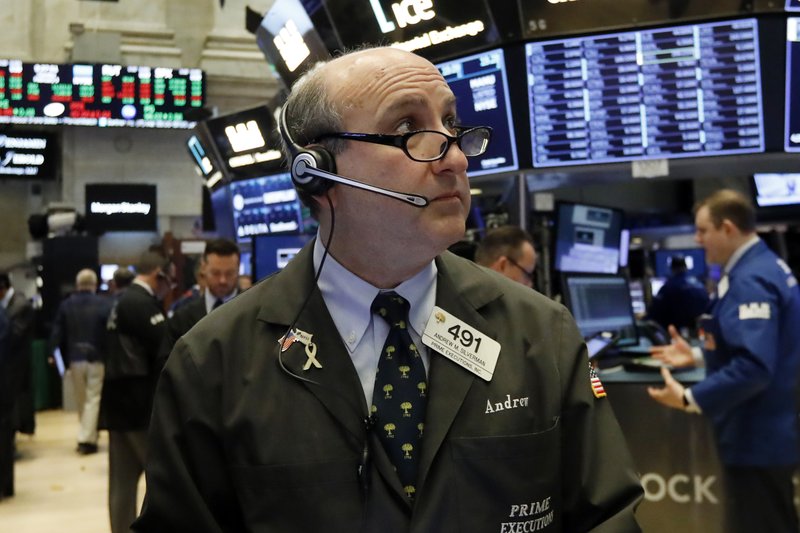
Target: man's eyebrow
{"points": [[411, 101]]}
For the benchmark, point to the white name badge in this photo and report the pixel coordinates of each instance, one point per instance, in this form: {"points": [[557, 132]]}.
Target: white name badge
{"points": [[461, 343]]}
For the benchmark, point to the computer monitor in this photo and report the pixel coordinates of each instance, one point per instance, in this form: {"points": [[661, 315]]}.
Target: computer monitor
{"points": [[777, 189], [106, 275], [587, 238], [273, 252], [695, 259], [637, 297], [601, 303]]}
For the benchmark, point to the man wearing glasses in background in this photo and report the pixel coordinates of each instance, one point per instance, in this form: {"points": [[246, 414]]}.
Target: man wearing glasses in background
{"points": [[508, 250], [378, 382]]}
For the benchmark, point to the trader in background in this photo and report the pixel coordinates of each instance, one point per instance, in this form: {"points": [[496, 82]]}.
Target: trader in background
{"points": [[680, 300], [752, 353], [136, 329], [317, 404], [508, 250], [221, 274], [79, 331], [20, 317]]}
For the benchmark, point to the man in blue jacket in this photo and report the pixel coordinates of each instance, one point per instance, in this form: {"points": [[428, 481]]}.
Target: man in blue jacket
{"points": [[752, 353], [681, 300]]}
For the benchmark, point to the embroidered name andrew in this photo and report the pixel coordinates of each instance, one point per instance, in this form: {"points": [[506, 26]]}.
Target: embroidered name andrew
{"points": [[509, 403]]}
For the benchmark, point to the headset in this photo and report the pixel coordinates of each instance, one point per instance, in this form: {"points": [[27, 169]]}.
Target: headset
{"points": [[313, 170]]}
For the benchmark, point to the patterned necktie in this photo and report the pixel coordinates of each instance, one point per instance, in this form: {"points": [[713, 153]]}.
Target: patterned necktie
{"points": [[400, 395]]}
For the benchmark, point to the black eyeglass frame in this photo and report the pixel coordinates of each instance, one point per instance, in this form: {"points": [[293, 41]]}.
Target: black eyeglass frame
{"points": [[529, 275], [401, 141]]}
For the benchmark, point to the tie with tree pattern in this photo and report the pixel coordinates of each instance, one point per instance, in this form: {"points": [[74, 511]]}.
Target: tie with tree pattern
{"points": [[400, 395]]}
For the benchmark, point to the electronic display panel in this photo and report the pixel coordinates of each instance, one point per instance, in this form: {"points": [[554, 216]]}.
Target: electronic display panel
{"points": [[120, 207], [601, 304], [695, 259], [268, 204], [777, 190], [247, 142], [272, 253], [436, 30], [289, 41], [85, 94], [682, 91], [587, 238], [792, 129], [29, 155], [792, 5], [481, 87], [223, 212], [200, 156], [541, 19]]}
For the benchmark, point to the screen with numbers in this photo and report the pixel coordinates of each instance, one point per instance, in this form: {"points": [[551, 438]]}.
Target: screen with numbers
{"points": [[681, 91], [792, 129], [481, 88], [99, 95]]}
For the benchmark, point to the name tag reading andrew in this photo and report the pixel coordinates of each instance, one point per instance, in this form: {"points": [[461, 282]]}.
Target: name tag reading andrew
{"points": [[461, 343]]}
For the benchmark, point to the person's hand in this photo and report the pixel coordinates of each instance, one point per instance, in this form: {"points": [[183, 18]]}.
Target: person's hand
{"points": [[677, 353], [671, 394]]}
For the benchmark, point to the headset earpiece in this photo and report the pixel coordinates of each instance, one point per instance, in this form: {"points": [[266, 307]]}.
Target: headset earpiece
{"points": [[316, 156]]}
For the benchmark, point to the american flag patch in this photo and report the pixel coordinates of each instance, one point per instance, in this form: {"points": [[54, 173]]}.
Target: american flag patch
{"points": [[287, 340], [597, 386]]}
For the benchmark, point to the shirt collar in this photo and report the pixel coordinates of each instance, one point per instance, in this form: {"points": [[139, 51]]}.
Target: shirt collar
{"points": [[7, 298], [144, 285], [211, 299], [740, 251], [349, 298]]}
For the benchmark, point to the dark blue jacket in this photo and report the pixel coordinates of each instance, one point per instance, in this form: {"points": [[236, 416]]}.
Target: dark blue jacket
{"points": [[80, 327], [680, 301], [749, 392]]}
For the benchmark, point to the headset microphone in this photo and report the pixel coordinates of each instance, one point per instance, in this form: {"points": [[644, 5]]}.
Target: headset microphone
{"points": [[314, 168]]}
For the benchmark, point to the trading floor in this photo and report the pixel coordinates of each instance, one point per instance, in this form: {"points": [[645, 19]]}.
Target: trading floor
{"points": [[57, 489]]}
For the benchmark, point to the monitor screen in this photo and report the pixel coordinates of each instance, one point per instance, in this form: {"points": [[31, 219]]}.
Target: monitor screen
{"points": [[85, 94], [777, 190], [200, 156], [247, 142], [587, 238], [792, 5], [601, 303], [681, 91], [223, 212], [792, 128], [273, 252], [481, 88], [637, 297], [120, 207], [695, 259], [268, 204], [29, 155], [106, 275], [289, 41]]}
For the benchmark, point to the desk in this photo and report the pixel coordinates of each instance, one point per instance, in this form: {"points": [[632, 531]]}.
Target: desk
{"points": [[674, 453]]}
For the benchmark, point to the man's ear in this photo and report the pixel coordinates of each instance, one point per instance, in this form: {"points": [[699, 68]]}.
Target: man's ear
{"points": [[499, 264]]}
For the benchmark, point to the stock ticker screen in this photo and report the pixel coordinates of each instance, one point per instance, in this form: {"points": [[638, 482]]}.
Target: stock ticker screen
{"points": [[681, 91], [480, 84], [792, 129], [99, 95]]}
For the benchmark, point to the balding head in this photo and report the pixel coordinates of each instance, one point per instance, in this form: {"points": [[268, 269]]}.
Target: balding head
{"points": [[86, 280]]}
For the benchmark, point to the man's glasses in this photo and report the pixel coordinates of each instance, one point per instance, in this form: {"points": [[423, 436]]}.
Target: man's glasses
{"points": [[528, 274], [425, 145]]}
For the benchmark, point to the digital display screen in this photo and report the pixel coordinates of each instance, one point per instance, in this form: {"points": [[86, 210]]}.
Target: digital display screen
{"points": [[289, 41], [682, 91], [223, 212], [247, 142], [121, 207], [587, 238], [99, 95], [694, 258], [775, 190], [792, 135], [601, 304], [481, 88], [272, 253], [29, 155], [439, 29], [268, 204], [560, 17], [200, 156], [792, 5]]}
